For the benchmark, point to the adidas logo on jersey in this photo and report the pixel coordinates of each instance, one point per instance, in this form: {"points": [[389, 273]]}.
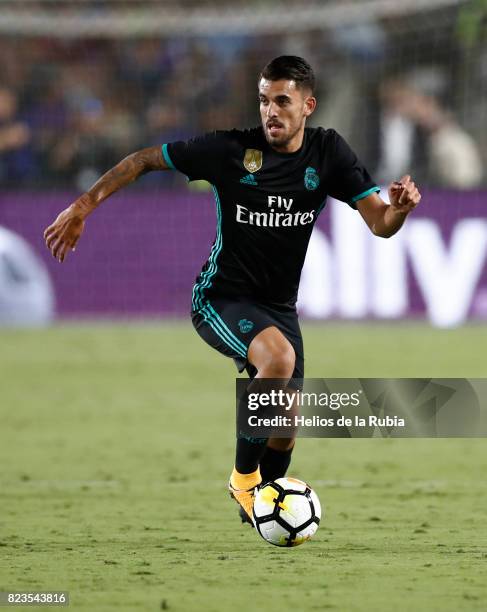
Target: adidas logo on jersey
{"points": [[248, 180]]}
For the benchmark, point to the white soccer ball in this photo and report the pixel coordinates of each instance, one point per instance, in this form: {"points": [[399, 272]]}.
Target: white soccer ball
{"points": [[286, 512]]}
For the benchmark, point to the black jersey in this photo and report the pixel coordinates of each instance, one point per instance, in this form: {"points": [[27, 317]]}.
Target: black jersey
{"points": [[267, 203]]}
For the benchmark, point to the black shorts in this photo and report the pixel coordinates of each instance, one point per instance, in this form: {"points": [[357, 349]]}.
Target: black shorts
{"points": [[229, 326]]}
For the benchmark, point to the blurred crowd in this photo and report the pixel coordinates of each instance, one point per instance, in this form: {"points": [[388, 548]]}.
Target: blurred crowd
{"points": [[69, 110]]}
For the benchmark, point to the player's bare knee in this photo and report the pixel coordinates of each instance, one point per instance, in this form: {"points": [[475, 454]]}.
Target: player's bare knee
{"points": [[279, 364], [272, 354]]}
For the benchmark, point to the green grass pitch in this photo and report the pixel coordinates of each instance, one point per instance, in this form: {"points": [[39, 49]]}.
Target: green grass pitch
{"points": [[117, 442]]}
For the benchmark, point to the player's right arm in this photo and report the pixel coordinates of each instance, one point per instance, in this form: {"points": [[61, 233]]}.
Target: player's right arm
{"points": [[64, 233]]}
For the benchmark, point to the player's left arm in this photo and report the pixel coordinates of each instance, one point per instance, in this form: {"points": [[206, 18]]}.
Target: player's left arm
{"points": [[383, 219]]}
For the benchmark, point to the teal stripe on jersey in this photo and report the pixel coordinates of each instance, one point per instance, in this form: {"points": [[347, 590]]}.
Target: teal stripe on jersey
{"points": [[219, 331], [207, 276], [364, 194], [320, 208], [226, 328], [167, 158]]}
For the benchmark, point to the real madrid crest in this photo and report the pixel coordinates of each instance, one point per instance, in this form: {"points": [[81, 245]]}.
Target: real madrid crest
{"points": [[311, 179], [252, 160]]}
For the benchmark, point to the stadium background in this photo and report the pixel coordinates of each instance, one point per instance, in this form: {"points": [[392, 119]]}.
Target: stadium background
{"points": [[108, 488], [82, 84]]}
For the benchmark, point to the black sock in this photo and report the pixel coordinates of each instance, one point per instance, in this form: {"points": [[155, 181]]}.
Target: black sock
{"points": [[274, 463], [249, 453], [249, 450]]}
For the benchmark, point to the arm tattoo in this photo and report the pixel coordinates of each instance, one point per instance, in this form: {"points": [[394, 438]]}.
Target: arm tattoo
{"points": [[124, 173]]}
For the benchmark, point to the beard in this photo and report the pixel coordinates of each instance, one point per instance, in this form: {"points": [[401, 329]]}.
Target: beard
{"points": [[281, 139]]}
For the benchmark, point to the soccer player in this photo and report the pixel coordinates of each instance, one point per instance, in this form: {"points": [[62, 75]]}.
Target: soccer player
{"points": [[270, 185]]}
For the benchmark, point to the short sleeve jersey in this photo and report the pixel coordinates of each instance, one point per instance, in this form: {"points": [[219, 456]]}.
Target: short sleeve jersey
{"points": [[267, 203]]}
